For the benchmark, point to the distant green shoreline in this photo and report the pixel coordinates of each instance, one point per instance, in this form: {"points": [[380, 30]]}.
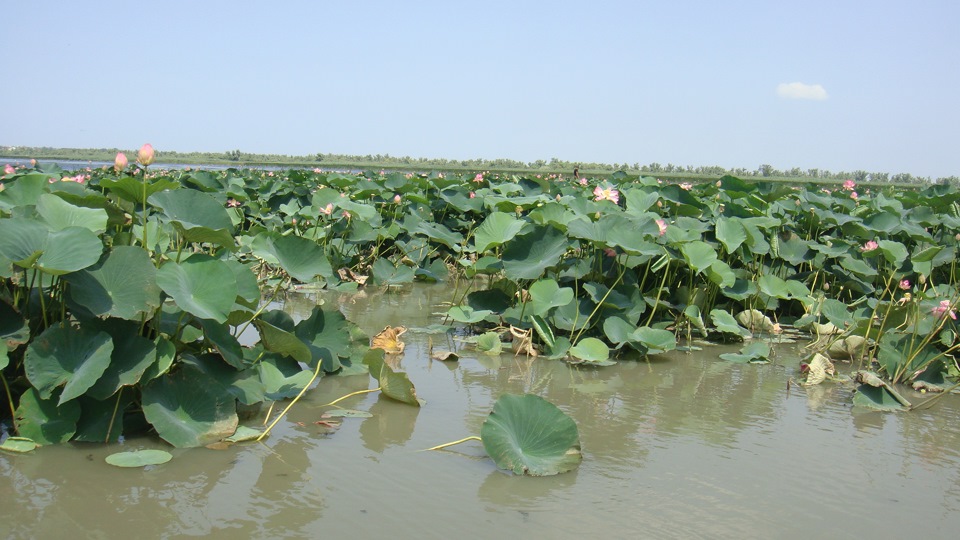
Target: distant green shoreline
{"points": [[236, 158]]}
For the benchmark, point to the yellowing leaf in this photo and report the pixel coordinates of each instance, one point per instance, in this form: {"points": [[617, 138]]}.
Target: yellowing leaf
{"points": [[389, 340]]}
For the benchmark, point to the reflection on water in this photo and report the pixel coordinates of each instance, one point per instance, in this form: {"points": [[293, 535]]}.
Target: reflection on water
{"points": [[684, 445]]}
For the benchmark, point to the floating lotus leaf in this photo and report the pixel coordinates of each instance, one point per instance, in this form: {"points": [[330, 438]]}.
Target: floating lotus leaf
{"points": [[529, 435], [188, 409], [756, 352], [19, 445], [123, 284], [139, 458], [243, 434], [201, 285], [65, 356], [43, 421]]}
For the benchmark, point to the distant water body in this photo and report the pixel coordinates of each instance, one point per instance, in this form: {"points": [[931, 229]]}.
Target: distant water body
{"points": [[74, 165]]}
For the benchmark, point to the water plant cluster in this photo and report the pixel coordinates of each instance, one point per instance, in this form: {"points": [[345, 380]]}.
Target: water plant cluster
{"points": [[125, 289]]}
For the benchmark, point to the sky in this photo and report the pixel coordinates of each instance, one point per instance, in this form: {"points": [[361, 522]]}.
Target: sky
{"points": [[836, 85]]}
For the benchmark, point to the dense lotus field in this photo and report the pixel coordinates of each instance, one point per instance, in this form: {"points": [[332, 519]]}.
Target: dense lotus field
{"points": [[125, 288]]}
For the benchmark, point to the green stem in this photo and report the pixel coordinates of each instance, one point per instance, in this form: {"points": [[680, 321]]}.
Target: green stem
{"points": [[113, 417], [283, 413], [13, 411], [444, 445], [351, 394]]}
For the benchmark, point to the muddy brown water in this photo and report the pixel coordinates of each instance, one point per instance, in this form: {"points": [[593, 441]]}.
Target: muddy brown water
{"points": [[682, 446]]}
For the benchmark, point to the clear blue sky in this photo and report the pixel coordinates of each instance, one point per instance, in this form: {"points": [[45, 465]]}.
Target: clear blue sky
{"points": [[689, 83]]}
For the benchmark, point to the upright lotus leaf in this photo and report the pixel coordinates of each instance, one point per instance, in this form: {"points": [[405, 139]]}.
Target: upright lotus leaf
{"points": [[226, 344], [282, 377], [393, 384], [25, 191], [489, 343], [248, 290], [529, 255], [65, 356], [900, 355], [498, 228], [725, 322], [547, 294], [894, 252], [441, 234], [201, 285], [468, 315], [189, 409], [102, 421], [123, 284], [59, 214], [166, 354], [14, 330], [720, 273], [131, 189], [591, 351], [837, 313], [699, 255], [22, 240], [388, 273], [43, 421], [300, 257], [69, 250], [922, 259], [196, 215], [132, 355], [773, 286], [327, 334], [275, 337], [529, 435], [730, 233], [756, 352]]}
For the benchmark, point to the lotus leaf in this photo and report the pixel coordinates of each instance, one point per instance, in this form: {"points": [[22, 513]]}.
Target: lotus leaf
{"points": [[43, 421], [201, 285], [529, 435], [188, 409], [529, 255], [19, 445], [139, 458], [69, 357], [393, 384]]}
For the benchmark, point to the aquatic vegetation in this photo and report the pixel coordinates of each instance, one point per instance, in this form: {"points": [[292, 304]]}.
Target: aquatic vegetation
{"points": [[126, 290]]}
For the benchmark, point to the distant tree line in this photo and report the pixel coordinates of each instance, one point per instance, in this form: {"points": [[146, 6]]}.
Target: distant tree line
{"points": [[554, 165]]}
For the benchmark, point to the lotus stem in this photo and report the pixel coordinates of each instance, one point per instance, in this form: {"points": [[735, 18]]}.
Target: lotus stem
{"points": [[283, 413], [351, 394], [114, 416], [445, 445], [13, 411]]}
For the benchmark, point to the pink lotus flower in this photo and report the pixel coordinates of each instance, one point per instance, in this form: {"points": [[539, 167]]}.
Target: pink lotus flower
{"points": [[606, 193], [8, 169], [610, 252], [478, 179], [905, 284], [396, 199], [145, 155], [686, 186], [869, 246], [848, 185], [472, 194], [583, 181], [327, 210], [120, 162], [853, 195], [232, 203], [662, 225], [944, 309]]}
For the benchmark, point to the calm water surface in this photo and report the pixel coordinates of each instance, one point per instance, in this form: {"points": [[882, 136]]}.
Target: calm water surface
{"points": [[683, 446]]}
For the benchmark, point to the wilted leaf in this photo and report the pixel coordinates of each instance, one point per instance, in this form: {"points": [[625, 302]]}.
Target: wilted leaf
{"points": [[389, 340]]}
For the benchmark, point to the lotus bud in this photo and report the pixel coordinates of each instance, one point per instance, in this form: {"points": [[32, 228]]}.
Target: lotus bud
{"points": [[396, 199], [120, 162], [145, 155]]}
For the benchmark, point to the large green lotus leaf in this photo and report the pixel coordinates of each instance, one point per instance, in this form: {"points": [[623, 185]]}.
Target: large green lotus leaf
{"points": [[720, 273], [43, 421], [547, 294], [893, 252], [773, 286], [22, 240], [198, 216], [123, 284], [877, 398], [387, 273], [858, 266], [72, 357], [725, 322], [189, 409], [440, 234], [756, 352], [730, 233], [529, 435], [300, 257], [248, 290], [591, 351], [24, 191], [243, 384], [69, 250], [468, 315], [59, 214], [699, 255], [327, 335], [132, 189], [529, 255], [132, 355], [276, 338], [226, 344], [166, 354], [393, 384], [655, 340], [498, 228], [201, 285], [19, 445], [282, 377], [139, 458]]}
